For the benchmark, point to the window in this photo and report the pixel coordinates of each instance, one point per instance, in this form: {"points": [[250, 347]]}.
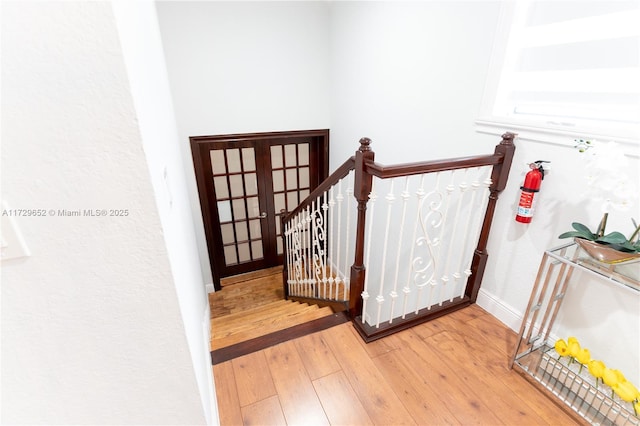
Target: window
{"points": [[565, 68]]}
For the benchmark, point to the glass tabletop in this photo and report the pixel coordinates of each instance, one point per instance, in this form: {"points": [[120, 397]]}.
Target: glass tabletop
{"points": [[625, 272]]}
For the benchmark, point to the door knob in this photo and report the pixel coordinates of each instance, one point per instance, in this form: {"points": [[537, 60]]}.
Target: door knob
{"points": [[262, 215]]}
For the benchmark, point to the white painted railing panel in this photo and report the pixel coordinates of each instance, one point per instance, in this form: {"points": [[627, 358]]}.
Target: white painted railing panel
{"points": [[421, 234], [320, 241]]}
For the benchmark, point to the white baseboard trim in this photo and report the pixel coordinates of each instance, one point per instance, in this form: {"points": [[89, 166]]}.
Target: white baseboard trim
{"points": [[507, 314], [210, 400], [210, 288], [496, 307]]}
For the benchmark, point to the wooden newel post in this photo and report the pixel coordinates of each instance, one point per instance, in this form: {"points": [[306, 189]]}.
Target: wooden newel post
{"points": [[361, 191], [499, 176]]}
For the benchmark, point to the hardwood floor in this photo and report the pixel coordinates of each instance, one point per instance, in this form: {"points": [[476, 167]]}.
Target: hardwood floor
{"points": [[452, 370]]}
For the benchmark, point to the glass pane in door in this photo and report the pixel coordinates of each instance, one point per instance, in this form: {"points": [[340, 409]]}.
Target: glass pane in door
{"points": [[236, 188], [290, 181]]}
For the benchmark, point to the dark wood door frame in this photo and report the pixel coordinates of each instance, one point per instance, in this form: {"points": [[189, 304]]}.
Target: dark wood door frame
{"points": [[200, 146]]}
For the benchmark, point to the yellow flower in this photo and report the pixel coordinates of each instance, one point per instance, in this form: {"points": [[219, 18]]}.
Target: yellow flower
{"points": [[612, 377], [584, 356], [572, 339], [596, 368], [626, 391], [574, 347], [561, 347]]}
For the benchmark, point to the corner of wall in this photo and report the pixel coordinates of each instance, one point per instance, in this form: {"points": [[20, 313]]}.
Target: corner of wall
{"points": [[499, 309]]}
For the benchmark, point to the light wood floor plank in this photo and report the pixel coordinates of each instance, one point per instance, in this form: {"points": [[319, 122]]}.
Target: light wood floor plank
{"points": [[340, 402], [382, 404], [418, 394], [253, 379], [461, 400], [300, 403], [227, 394], [488, 348], [316, 356], [510, 408], [494, 331], [263, 413]]}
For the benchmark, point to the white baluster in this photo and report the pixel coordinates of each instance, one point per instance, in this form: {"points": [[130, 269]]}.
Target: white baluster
{"points": [[330, 236], [394, 293], [463, 188], [324, 248], [303, 272], [308, 230], [434, 209], [340, 200], [420, 194], [390, 197], [348, 239], [319, 238], [371, 210], [465, 235], [287, 253], [297, 240], [478, 227]]}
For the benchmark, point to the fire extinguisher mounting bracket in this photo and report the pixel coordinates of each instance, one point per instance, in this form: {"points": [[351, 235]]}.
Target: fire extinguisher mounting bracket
{"points": [[543, 166]]}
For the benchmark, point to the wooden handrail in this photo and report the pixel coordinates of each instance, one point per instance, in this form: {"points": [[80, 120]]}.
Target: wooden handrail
{"points": [[408, 169], [333, 178]]}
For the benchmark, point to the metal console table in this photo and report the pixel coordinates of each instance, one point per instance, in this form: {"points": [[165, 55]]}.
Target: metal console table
{"points": [[534, 354]]}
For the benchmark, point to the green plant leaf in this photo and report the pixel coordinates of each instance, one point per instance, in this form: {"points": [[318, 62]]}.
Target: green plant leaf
{"points": [[571, 234], [613, 238], [581, 231], [584, 231]]}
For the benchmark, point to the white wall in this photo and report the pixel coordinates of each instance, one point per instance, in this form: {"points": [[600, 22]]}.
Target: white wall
{"points": [[597, 314], [241, 67], [144, 59], [409, 75], [92, 330]]}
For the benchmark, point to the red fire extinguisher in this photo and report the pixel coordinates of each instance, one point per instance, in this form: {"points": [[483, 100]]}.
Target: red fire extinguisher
{"points": [[531, 185]]}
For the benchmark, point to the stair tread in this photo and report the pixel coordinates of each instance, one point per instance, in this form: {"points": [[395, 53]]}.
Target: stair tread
{"points": [[259, 319], [298, 315], [244, 313]]}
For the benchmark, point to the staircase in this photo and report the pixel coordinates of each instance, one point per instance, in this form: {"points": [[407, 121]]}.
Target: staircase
{"points": [[250, 314], [263, 320]]}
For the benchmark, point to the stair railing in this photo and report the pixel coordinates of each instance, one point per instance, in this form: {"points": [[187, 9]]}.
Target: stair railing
{"points": [[319, 241], [417, 234]]}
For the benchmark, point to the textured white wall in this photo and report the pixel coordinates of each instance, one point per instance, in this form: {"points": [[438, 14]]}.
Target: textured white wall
{"points": [[240, 67], [91, 326], [144, 58], [410, 76], [598, 314]]}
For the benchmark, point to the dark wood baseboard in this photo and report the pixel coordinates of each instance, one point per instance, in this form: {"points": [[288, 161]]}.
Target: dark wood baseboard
{"points": [[370, 333], [224, 354]]}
